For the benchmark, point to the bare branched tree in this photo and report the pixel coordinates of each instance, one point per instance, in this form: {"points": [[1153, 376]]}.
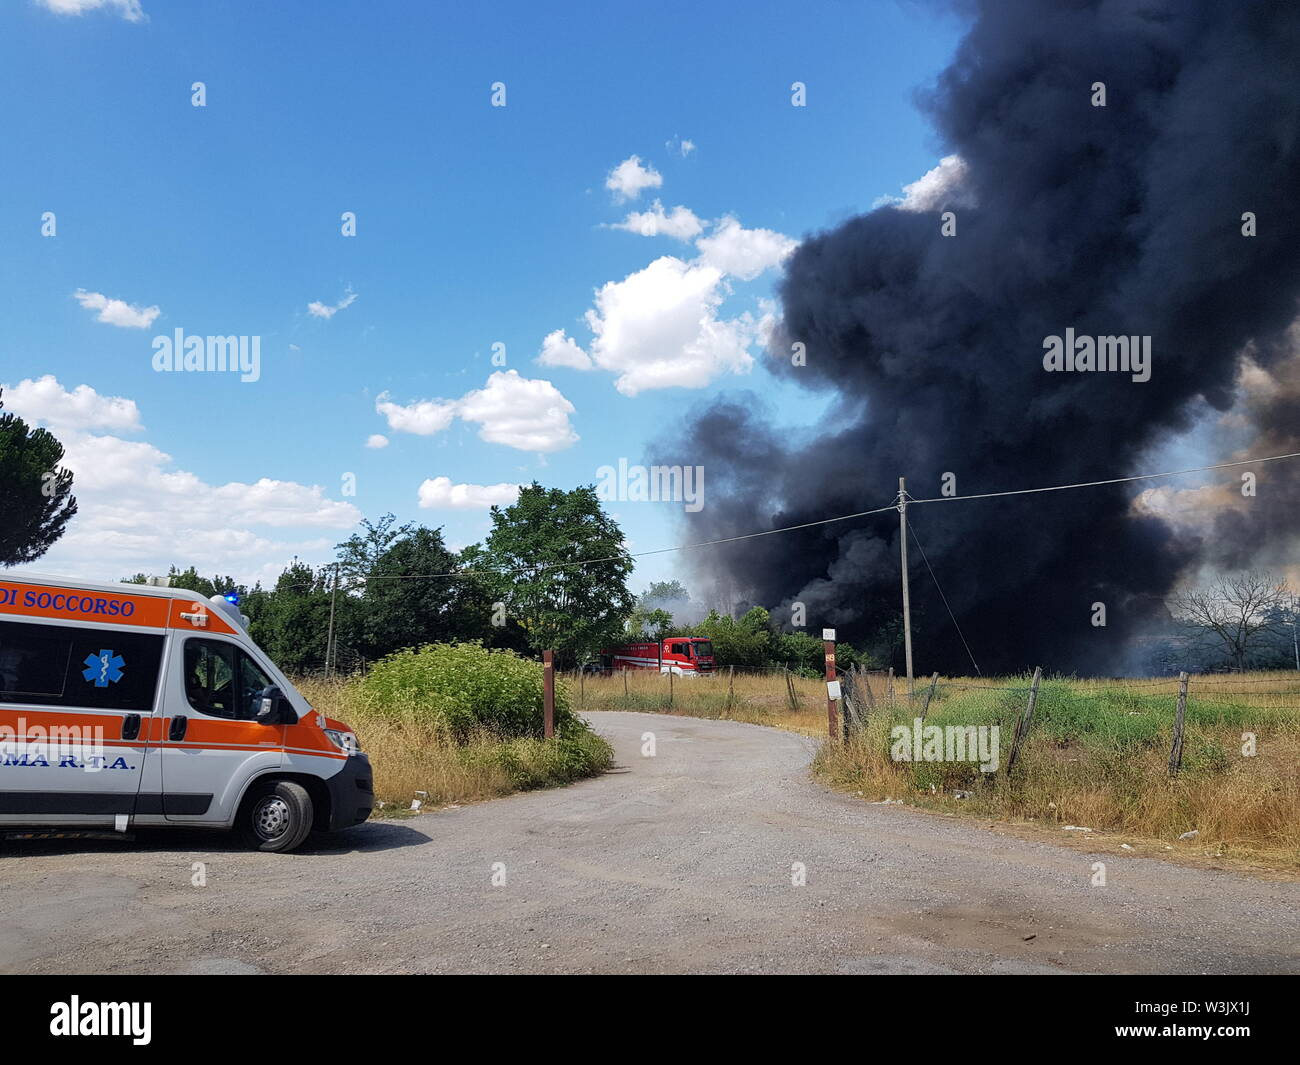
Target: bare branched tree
{"points": [[1235, 613]]}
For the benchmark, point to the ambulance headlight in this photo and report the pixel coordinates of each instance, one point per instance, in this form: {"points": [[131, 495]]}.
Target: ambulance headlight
{"points": [[344, 741]]}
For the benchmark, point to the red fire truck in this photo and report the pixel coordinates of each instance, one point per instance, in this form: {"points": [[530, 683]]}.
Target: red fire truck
{"points": [[684, 656]]}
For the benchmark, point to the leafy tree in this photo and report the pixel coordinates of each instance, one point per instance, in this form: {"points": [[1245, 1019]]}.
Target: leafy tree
{"points": [[805, 653], [478, 604], [1279, 648], [35, 492], [293, 625], [751, 642], [564, 569], [191, 580], [747, 642], [665, 592], [402, 605], [645, 624], [360, 553]]}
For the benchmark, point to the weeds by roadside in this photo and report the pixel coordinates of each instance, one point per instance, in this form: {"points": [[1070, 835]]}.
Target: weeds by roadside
{"points": [[412, 753]]}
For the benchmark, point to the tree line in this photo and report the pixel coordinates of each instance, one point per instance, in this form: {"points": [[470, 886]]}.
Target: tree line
{"points": [[552, 573], [753, 640]]}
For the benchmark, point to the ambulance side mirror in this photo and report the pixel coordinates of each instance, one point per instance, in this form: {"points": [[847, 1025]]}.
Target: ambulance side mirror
{"points": [[269, 706]]}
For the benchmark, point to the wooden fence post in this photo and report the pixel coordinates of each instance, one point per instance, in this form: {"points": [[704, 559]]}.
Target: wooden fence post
{"points": [[548, 694], [925, 707], [731, 687], [670, 687], [871, 699], [625, 684], [582, 688], [1022, 725], [832, 725], [1176, 751], [889, 687], [851, 722], [789, 690]]}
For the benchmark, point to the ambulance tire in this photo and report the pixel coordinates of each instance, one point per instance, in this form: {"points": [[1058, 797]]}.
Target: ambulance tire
{"points": [[277, 817]]}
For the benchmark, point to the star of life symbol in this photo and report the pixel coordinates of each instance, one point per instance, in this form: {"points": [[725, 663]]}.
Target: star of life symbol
{"points": [[103, 668]]}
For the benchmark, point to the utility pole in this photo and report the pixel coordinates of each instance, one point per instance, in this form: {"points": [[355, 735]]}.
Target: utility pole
{"points": [[907, 603], [329, 639]]}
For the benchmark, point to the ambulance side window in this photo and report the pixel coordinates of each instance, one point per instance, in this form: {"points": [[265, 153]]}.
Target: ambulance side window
{"points": [[74, 665], [252, 683], [221, 680], [210, 672]]}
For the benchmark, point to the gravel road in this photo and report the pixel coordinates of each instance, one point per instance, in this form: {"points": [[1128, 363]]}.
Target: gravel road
{"points": [[680, 862]]}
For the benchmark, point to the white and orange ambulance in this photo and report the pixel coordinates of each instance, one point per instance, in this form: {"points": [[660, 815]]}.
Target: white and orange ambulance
{"points": [[125, 704]]}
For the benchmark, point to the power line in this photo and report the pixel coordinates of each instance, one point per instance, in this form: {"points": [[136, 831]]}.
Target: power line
{"points": [[641, 554], [912, 528], [1112, 480], [839, 517]]}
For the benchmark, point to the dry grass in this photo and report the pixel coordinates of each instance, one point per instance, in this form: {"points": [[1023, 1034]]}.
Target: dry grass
{"points": [[410, 757], [1097, 756]]}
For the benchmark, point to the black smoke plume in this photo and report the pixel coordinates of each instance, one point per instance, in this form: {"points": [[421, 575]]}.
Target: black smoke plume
{"points": [[1125, 219]]}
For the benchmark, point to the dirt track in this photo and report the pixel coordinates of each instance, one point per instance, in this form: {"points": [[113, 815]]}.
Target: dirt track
{"points": [[677, 863]]}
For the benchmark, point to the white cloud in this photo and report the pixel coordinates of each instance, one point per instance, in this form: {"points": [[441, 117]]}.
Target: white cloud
{"points": [[558, 349], [128, 9], [744, 253], [424, 417], [531, 415], [629, 179], [324, 310], [439, 493], [528, 414], [117, 312], [679, 223], [376, 441], [139, 513], [943, 186], [48, 403], [659, 328], [681, 146]]}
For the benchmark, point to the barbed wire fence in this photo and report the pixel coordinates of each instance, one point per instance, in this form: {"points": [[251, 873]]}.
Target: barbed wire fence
{"points": [[781, 696]]}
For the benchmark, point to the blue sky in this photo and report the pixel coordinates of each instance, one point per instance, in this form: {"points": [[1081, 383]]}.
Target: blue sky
{"points": [[475, 225]]}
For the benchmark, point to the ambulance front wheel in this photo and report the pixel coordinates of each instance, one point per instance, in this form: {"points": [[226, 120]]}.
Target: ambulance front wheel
{"points": [[278, 816]]}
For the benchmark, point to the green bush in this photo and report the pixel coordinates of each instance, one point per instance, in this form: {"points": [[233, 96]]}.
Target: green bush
{"points": [[464, 688]]}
